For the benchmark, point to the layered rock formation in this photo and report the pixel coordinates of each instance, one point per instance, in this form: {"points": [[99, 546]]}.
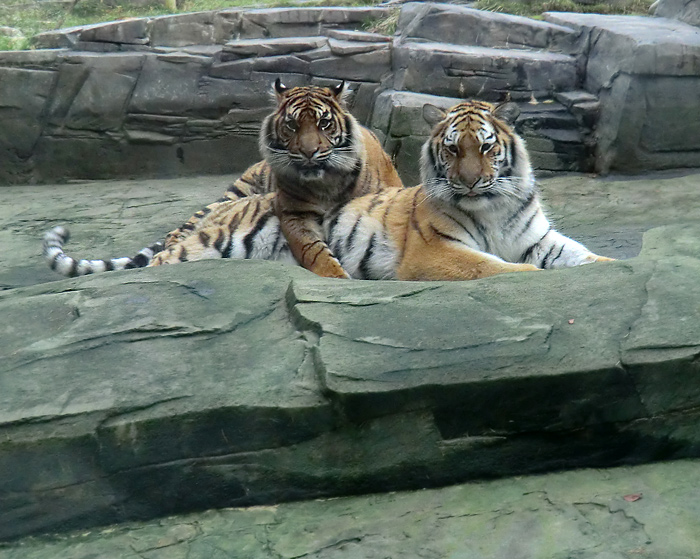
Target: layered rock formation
{"points": [[185, 94]]}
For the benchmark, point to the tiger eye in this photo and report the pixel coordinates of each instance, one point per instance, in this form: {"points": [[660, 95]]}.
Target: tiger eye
{"points": [[485, 148], [451, 148], [325, 123]]}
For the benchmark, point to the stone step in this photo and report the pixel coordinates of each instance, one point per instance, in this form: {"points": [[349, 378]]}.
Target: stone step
{"points": [[460, 25], [464, 71], [640, 511]]}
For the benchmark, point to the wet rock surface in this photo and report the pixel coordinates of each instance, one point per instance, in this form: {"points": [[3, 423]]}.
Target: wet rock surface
{"points": [[648, 511], [142, 393]]}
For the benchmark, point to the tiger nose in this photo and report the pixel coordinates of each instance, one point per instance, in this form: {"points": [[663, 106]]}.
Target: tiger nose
{"points": [[308, 151]]}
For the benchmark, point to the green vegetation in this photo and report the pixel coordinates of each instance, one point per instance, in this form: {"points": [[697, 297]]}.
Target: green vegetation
{"points": [[534, 8], [386, 25], [32, 16]]}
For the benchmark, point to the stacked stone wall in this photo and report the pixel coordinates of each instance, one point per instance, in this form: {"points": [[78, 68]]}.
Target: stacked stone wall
{"points": [[186, 94]]}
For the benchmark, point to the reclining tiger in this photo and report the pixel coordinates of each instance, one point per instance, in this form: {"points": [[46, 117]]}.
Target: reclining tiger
{"points": [[477, 213], [316, 157]]}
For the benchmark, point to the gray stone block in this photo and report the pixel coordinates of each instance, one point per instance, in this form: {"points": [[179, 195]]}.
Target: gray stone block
{"points": [[687, 11], [281, 65], [169, 84], [345, 370], [645, 72], [93, 91], [369, 66], [61, 38], [635, 45], [571, 98], [358, 36], [238, 69], [674, 123], [454, 71], [460, 25], [227, 25], [130, 31], [24, 95], [315, 54], [47, 59], [573, 512], [346, 48], [255, 92], [328, 15], [97, 47], [400, 113], [184, 29], [300, 22], [270, 47]]}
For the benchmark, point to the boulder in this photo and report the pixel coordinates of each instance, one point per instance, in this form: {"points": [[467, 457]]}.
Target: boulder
{"points": [[687, 11], [646, 73], [452, 70], [459, 25], [24, 94]]}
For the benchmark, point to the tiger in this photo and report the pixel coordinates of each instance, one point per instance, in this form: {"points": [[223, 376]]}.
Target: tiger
{"points": [[477, 213], [316, 157]]}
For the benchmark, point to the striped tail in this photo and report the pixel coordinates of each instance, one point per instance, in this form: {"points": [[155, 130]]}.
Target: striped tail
{"points": [[60, 262]]}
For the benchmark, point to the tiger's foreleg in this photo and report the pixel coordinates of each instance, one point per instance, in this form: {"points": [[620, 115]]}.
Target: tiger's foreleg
{"points": [[303, 230], [555, 250], [445, 260]]}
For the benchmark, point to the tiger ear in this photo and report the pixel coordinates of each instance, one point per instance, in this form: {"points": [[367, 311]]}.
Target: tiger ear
{"points": [[433, 114], [280, 89], [507, 112], [339, 90]]}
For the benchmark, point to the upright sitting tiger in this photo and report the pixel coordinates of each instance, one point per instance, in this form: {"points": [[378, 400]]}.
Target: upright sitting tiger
{"points": [[316, 158], [476, 214]]}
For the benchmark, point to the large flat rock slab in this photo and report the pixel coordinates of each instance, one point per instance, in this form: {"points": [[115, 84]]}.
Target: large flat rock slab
{"points": [[257, 383], [442, 69], [467, 26], [647, 511]]}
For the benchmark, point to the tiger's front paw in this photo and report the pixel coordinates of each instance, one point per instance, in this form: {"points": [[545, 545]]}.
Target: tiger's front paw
{"points": [[603, 259], [329, 268], [528, 268]]}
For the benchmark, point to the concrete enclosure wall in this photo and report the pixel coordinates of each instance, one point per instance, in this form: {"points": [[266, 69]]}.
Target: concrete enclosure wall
{"points": [[185, 94]]}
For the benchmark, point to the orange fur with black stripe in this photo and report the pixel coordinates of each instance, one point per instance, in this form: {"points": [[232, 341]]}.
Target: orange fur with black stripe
{"points": [[476, 214], [317, 157]]}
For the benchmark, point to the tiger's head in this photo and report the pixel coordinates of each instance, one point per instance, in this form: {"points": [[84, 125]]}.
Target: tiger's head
{"points": [[473, 159], [310, 133]]}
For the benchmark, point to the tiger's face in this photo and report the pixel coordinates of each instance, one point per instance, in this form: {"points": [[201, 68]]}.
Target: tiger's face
{"points": [[473, 158], [310, 133]]}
